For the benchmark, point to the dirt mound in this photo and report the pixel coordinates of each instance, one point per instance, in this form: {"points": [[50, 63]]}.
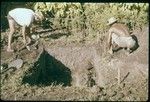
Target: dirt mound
{"points": [[46, 71], [79, 59], [65, 60]]}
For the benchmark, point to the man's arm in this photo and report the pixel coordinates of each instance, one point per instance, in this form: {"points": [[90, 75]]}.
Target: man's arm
{"points": [[120, 30]]}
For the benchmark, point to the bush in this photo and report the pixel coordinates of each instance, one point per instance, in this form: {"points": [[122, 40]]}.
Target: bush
{"points": [[91, 18]]}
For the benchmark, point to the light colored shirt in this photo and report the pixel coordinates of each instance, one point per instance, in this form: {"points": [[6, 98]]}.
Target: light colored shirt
{"points": [[123, 41], [22, 16]]}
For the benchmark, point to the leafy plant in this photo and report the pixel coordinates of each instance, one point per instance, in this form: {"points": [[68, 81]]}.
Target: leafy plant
{"points": [[88, 18]]}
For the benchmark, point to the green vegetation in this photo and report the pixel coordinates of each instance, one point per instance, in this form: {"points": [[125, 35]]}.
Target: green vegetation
{"points": [[87, 19], [93, 16], [76, 22]]}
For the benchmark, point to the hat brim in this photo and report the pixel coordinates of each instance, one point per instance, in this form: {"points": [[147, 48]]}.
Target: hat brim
{"points": [[108, 24], [111, 22]]}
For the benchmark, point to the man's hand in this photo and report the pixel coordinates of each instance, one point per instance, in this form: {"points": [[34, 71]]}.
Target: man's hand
{"points": [[29, 49]]}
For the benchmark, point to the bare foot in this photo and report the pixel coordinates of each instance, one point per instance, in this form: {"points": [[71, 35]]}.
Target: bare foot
{"points": [[10, 50], [111, 52], [127, 53], [28, 41]]}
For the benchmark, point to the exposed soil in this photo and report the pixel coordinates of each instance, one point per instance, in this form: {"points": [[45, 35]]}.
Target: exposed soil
{"points": [[64, 55]]}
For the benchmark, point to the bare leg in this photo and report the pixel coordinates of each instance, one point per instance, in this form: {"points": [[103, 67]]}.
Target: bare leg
{"points": [[33, 29], [12, 30], [110, 49], [23, 34], [28, 35], [24, 37], [129, 50]]}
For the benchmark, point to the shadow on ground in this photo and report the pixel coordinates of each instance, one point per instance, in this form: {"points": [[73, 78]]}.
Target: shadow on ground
{"points": [[53, 33], [46, 71], [137, 44]]}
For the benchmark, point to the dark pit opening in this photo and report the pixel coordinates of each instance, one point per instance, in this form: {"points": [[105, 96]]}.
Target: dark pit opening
{"points": [[137, 44], [46, 71]]}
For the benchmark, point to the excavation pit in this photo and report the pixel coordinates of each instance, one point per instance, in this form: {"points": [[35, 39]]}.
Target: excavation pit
{"points": [[56, 67]]}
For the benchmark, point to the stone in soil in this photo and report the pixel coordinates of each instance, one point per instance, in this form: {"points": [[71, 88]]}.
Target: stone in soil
{"points": [[16, 63]]}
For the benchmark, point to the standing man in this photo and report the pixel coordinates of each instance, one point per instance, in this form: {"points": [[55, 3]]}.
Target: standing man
{"points": [[23, 17], [120, 35]]}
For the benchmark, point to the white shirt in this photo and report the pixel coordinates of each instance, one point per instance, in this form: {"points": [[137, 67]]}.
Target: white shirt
{"points": [[123, 41], [22, 16]]}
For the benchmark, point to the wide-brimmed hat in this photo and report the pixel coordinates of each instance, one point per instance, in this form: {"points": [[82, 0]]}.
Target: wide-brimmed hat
{"points": [[111, 20]]}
